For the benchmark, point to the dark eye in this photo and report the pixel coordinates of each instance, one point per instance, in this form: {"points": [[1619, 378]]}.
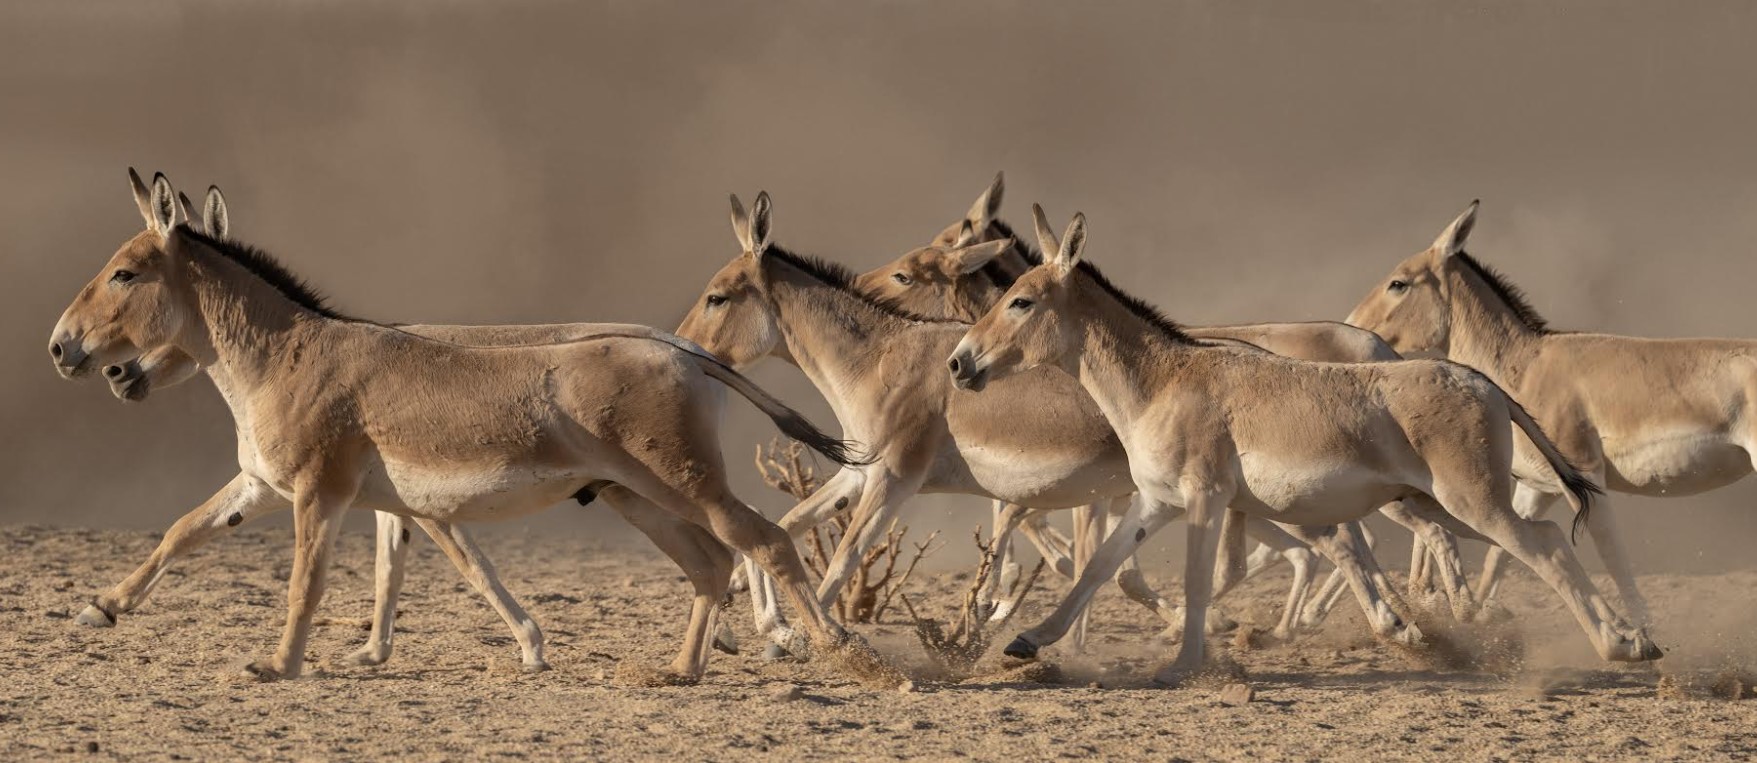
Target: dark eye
{"points": [[901, 278], [122, 276], [1020, 303], [1398, 286], [716, 300]]}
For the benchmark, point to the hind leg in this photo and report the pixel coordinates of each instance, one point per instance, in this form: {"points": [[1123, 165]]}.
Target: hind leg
{"points": [[1544, 547], [1438, 550], [1056, 549], [1528, 503], [705, 561], [463, 553], [1344, 546]]}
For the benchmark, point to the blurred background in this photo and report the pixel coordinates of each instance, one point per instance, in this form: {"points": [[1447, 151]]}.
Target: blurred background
{"points": [[476, 162]]}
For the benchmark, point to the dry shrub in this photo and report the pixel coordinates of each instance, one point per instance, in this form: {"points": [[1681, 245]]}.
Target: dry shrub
{"points": [[790, 468], [957, 651]]}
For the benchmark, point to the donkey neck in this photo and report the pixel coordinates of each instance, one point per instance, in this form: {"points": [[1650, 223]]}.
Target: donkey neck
{"points": [[1121, 359], [1485, 332], [242, 325], [830, 333]]}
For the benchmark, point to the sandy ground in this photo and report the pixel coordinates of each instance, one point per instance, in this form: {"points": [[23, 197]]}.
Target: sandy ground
{"points": [[158, 685]]}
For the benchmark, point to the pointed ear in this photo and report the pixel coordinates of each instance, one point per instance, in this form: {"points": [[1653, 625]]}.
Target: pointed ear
{"points": [[760, 226], [143, 198], [186, 212], [740, 224], [1451, 240], [969, 259], [163, 205], [989, 203], [1045, 235], [219, 221], [966, 235], [1073, 245]]}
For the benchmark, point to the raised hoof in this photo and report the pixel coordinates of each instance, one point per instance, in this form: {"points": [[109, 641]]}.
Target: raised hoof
{"points": [[1021, 649], [1642, 649], [725, 642], [366, 657], [94, 617]]}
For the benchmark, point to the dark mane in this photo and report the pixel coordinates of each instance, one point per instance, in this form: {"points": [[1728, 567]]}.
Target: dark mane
{"points": [[266, 267], [1512, 295], [839, 277], [996, 273], [1138, 306]]}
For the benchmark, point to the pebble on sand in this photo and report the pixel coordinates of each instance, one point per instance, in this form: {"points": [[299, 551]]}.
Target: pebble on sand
{"points": [[1237, 694]]}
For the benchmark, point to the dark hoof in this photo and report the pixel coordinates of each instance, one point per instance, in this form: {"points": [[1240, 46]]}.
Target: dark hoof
{"points": [[1020, 649], [725, 647], [95, 616]]}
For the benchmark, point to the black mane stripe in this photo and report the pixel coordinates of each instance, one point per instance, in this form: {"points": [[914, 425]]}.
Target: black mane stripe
{"points": [[839, 277], [266, 267], [1140, 307], [1512, 295]]}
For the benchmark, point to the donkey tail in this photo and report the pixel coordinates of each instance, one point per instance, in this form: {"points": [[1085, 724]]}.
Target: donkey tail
{"points": [[791, 423], [1580, 488]]}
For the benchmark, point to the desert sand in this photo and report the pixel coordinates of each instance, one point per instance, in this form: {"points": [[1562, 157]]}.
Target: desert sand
{"points": [[161, 686]]}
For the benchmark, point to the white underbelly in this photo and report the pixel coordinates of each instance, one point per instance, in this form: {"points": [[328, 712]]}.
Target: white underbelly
{"points": [[1318, 493], [1682, 464], [1054, 482]]}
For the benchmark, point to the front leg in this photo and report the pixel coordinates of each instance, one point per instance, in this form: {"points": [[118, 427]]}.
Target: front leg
{"points": [[476, 568], [1206, 500], [242, 499], [884, 495], [392, 560], [317, 515]]}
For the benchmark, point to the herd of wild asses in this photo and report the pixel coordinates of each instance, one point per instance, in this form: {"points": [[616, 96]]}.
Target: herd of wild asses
{"points": [[1288, 433]]}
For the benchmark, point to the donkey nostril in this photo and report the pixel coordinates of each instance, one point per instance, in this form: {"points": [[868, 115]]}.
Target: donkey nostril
{"points": [[55, 350], [112, 372], [954, 364]]}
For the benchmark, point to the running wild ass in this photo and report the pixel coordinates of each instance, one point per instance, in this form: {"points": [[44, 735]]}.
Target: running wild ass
{"points": [[333, 412], [1654, 417], [692, 548], [1315, 444], [876, 366]]}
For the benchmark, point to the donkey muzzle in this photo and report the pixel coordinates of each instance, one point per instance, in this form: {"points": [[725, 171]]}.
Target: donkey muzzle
{"points": [[127, 381], [965, 372], [70, 358]]}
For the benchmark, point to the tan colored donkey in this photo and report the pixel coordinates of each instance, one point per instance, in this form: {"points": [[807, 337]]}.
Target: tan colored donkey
{"points": [[693, 549], [333, 412], [962, 274], [1654, 417], [1313, 444], [877, 368]]}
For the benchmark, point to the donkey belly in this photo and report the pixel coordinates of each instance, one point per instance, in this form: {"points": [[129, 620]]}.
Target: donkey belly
{"points": [[468, 493], [1318, 493], [1683, 464], [1054, 482]]}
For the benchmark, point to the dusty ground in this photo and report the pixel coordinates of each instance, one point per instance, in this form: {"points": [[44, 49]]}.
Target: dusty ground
{"points": [[157, 687]]}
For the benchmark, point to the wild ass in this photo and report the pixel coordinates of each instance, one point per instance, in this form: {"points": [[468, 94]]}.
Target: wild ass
{"points": [[693, 549], [333, 412], [1314, 444], [1654, 417], [961, 275], [875, 366]]}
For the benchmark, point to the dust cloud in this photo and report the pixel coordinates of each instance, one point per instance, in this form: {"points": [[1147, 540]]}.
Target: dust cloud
{"points": [[537, 162]]}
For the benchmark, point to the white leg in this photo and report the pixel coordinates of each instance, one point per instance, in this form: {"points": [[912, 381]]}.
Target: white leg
{"points": [[456, 543], [392, 557], [1206, 504]]}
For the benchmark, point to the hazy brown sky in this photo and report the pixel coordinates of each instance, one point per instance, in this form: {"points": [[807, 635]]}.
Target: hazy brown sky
{"points": [[535, 162]]}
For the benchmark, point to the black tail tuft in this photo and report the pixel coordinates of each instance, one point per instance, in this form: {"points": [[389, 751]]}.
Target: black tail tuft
{"points": [[1583, 489], [843, 452]]}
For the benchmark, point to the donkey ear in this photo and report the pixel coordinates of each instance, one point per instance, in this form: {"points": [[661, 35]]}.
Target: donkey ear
{"points": [[186, 212], [989, 203], [740, 223], [219, 221], [1451, 240], [1045, 235], [143, 198], [163, 205], [760, 226], [966, 235], [1073, 245], [969, 259]]}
